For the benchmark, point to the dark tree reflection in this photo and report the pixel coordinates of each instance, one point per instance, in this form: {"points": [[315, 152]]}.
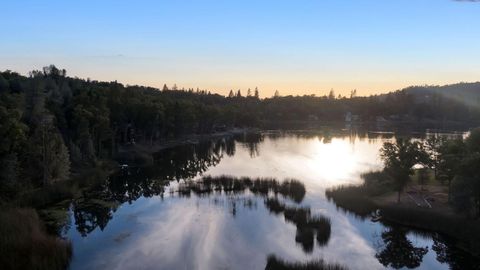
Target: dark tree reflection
{"points": [[448, 253], [91, 213], [250, 141], [308, 226], [398, 251]]}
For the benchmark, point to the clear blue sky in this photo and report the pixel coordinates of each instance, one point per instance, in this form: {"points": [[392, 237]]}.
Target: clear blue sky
{"points": [[294, 46]]}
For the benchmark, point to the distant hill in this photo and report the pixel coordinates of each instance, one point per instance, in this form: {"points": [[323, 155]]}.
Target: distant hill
{"points": [[467, 93]]}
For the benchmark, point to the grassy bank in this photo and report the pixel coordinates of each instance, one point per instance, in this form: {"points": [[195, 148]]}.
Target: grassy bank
{"points": [[362, 200], [25, 244]]}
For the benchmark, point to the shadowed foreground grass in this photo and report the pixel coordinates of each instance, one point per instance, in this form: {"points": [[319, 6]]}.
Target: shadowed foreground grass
{"points": [[24, 244], [273, 263]]}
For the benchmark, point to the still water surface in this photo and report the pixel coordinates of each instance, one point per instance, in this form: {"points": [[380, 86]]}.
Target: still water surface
{"points": [[138, 220]]}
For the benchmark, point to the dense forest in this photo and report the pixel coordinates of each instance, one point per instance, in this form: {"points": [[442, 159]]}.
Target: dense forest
{"points": [[51, 123]]}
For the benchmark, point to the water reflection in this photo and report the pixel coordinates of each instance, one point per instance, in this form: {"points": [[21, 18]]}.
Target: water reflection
{"points": [[170, 216], [308, 227], [96, 209], [448, 253], [398, 251], [250, 141]]}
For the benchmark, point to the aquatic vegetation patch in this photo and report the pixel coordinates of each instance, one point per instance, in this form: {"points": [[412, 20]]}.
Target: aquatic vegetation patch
{"points": [[352, 199], [290, 188], [274, 263]]}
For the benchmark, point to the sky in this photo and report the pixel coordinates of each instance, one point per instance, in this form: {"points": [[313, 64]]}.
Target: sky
{"points": [[296, 47]]}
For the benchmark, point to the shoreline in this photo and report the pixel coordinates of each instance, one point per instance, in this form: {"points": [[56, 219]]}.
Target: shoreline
{"points": [[463, 230], [141, 153]]}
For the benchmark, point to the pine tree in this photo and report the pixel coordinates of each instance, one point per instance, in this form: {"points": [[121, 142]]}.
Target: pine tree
{"points": [[353, 93], [256, 95], [331, 95]]}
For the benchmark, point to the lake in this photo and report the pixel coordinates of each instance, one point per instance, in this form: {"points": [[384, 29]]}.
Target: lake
{"points": [[159, 217]]}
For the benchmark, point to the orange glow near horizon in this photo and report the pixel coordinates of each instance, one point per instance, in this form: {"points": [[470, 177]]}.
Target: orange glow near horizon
{"points": [[295, 83]]}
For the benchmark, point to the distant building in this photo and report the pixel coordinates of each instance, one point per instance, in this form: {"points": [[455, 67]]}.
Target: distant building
{"points": [[312, 117], [349, 117]]}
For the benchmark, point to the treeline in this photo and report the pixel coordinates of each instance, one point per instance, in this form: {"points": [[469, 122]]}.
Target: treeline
{"points": [[51, 123]]}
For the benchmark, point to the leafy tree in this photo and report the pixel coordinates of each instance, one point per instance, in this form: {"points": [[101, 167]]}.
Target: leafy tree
{"points": [[432, 147], [399, 159], [465, 190], [450, 155], [12, 132], [473, 141], [51, 152]]}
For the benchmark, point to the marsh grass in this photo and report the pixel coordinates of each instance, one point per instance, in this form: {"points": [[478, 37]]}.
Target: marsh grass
{"points": [[274, 263], [24, 244], [289, 188], [352, 199], [357, 198]]}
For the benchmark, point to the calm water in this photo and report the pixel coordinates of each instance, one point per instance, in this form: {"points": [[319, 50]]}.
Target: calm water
{"points": [[138, 220]]}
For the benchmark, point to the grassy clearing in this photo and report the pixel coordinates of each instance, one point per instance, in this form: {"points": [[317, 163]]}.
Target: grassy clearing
{"points": [[24, 244], [274, 263]]}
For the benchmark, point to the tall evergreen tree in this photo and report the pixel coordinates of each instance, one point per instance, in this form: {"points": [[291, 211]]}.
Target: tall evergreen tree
{"points": [[256, 95]]}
